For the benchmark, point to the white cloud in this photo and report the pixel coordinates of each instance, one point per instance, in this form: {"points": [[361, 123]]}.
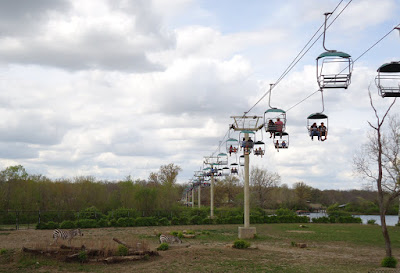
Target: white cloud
{"points": [[75, 100]]}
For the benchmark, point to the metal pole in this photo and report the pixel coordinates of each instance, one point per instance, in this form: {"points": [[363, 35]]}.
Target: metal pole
{"points": [[246, 186], [193, 197], [212, 193], [198, 200]]}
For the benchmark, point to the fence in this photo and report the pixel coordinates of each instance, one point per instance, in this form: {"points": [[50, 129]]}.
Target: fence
{"points": [[29, 219], [24, 219]]}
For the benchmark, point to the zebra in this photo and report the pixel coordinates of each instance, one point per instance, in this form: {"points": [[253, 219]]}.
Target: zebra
{"points": [[170, 239], [66, 234]]}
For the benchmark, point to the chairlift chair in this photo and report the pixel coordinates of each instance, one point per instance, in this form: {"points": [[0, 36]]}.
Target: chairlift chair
{"points": [[226, 171], [281, 142], [259, 148], [207, 171], [271, 116], [274, 118], [222, 159], [317, 118], [334, 68], [234, 168], [241, 160], [249, 144], [388, 80], [232, 146]]}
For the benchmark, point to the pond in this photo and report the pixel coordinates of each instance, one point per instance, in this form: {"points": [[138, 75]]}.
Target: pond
{"points": [[391, 220]]}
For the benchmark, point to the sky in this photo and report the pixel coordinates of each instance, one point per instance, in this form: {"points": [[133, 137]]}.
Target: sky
{"points": [[111, 88]]}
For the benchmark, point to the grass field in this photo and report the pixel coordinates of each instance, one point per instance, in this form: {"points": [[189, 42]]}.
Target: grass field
{"points": [[330, 248]]}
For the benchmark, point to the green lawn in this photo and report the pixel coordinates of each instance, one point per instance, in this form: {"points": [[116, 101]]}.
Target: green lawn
{"points": [[330, 248]]}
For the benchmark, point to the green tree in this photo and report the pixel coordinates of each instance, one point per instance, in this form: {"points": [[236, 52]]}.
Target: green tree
{"points": [[168, 174], [303, 193], [11, 181]]}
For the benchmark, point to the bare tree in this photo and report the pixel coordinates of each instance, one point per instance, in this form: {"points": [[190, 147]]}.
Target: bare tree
{"points": [[262, 182], [226, 191], [378, 162]]}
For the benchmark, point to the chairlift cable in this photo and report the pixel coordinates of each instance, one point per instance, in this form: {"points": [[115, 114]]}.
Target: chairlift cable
{"points": [[291, 66], [295, 62], [285, 72], [387, 34]]}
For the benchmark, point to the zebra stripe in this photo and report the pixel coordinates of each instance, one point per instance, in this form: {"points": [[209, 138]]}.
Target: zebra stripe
{"points": [[169, 239], [66, 234]]}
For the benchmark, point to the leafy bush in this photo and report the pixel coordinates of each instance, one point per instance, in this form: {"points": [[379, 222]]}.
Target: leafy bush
{"points": [[196, 220], [175, 233], [163, 222], [284, 212], [241, 244], [286, 219], [389, 262], [339, 213], [175, 221], [68, 224], [122, 222], [122, 212], [180, 234], [41, 225], [348, 219], [51, 225], [82, 256], [256, 219], [202, 212], [163, 247], [235, 219], [271, 219], [122, 250], [3, 251], [113, 223], [102, 223], [89, 213], [322, 219], [335, 211], [183, 220], [146, 221], [371, 222], [207, 221], [86, 223]]}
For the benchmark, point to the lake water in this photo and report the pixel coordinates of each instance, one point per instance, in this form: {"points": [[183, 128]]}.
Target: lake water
{"points": [[391, 220]]}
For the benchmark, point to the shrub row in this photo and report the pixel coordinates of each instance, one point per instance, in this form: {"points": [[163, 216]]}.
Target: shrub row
{"points": [[340, 219], [152, 221]]}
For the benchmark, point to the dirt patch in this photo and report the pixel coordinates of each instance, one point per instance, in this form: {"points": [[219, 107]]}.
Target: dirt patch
{"points": [[301, 231], [207, 253]]}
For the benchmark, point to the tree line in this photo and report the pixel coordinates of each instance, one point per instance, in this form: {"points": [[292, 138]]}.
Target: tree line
{"points": [[20, 191]]}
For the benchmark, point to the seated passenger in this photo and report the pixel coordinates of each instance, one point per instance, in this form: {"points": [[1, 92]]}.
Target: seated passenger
{"points": [[323, 131], [271, 128], [279, 127], [314, 131]]}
